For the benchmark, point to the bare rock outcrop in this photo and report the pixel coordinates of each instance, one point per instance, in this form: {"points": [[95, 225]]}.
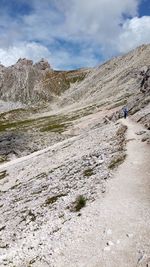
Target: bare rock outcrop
{"points": [[30, 83], [42, 65], [24, 61], [145, 82]]}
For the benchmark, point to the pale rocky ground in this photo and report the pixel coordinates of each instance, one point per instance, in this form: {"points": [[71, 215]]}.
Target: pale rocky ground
{"points": [[119, 235], [58, 171], [113, 228], [7, 106], [78, 142]]}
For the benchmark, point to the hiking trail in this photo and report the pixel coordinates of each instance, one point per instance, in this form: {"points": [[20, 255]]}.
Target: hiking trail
{"points": [[115, 230]]}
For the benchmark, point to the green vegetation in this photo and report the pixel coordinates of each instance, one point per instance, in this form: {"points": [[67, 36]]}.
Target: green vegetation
{"points": [[3, 174], [59, 128], [80, 202], [41, 175], [54, 123], [53, 199], [47, 123], [115, 162], [88, 172], [15, 125], [32, 216], [3, 158]]}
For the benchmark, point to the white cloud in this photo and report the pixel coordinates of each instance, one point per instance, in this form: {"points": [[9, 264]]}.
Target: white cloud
{"points": [[95, 27], [58, 60], [98, 19], [78, 20], [23, 50], [135, 32]]}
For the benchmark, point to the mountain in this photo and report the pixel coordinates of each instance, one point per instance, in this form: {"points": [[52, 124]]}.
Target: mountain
{"points": [[59, 147], [113, 81], [28, 83]]}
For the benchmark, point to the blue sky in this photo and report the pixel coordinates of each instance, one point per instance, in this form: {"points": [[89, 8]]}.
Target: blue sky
{"points": [[144, 8], [71, 34]]}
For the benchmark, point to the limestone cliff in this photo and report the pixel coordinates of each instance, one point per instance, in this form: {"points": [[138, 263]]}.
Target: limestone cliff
{"points": [[26, 82]]}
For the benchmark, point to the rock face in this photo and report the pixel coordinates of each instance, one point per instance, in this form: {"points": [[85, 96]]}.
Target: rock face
{"points": [[145, 82], [18, 82], [121, 77], [24, 62], [28, 83], [114, 81], [42, 65]]}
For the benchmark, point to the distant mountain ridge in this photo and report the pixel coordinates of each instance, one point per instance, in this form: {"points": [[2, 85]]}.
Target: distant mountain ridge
{"points": [[116, 79], [26, 82]]}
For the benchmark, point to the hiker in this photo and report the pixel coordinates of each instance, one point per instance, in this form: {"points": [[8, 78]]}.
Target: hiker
{"points": [[125, 112]]}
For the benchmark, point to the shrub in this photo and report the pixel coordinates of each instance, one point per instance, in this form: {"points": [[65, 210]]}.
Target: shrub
{"points": [[88, 172], [3, 174], [115, 162], [53, 199], [80, 202]]}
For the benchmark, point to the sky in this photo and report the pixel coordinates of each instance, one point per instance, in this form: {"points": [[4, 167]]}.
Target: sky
{"points": [[71, 34]]}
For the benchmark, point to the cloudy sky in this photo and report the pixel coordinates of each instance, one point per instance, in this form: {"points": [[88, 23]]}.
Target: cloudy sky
{"points": [[71, 33]]}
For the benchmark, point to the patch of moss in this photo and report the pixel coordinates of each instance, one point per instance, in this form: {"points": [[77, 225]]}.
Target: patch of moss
{"points": [[14, 125], [53, 199], [116, 161], [15, 186], [80, 202], [55, 128], [55, 123], [41, 175], [3, 159], [3, 174], [88, 172]]}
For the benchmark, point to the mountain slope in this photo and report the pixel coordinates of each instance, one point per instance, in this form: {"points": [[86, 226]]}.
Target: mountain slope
{"points": [[113, 81], [30, 83], [56, 196]]}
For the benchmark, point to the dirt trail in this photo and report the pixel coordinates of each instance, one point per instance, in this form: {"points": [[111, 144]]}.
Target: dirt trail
{"points": [[119, 234], [34, 154]]}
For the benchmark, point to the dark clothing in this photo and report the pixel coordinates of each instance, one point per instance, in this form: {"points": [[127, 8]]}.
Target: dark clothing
{"points": [[125, 113]]}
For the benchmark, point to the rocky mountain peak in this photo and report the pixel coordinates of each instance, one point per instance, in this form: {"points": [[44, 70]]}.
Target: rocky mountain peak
{"points": [[43, 64], [24, 61]]}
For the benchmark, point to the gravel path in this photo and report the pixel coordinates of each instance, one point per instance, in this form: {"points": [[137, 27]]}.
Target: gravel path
{"points": [[115, 230], [111, 231]]}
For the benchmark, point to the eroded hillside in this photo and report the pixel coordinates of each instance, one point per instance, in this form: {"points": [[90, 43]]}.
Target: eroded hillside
{"points": [[30, 83], [53, 195]]}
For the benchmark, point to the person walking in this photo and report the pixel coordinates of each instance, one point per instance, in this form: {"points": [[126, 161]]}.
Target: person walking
{"points": [[125, 112]]}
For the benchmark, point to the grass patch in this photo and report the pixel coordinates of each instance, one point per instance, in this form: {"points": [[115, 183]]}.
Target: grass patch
{"points": [[41, 175], [3, 174], [3, 159], [116, 161], [80, 202], [88, 172], [55, 128], [54, 123], [32, 216], [53, 199], [15, 125]]}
